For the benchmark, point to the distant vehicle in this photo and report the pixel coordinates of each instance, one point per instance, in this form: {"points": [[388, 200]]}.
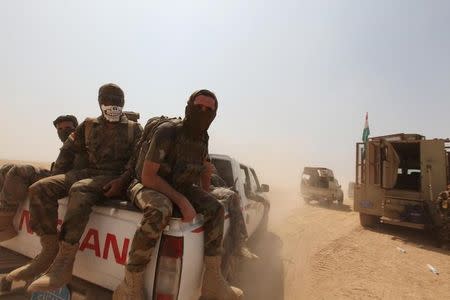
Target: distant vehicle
{"points": [[176, 268], [398, 180], [319, 184], [351, 190]]}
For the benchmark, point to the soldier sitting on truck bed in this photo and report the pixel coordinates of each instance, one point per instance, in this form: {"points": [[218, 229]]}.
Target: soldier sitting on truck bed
{"points": [[238, 231], [15, 180], [169, 172], [109, 141]]}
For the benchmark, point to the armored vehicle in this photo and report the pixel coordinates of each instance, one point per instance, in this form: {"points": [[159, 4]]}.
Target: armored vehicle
{"points": [[399, 179], [319, 184]]}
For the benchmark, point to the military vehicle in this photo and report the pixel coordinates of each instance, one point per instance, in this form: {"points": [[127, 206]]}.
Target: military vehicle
{"points": [[399, 179], [319, 184]]}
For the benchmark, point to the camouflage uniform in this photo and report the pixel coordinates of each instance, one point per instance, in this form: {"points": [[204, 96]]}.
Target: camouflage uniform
{"points": [[16, 182], [238, 231], [181, 162], [108, 151]]}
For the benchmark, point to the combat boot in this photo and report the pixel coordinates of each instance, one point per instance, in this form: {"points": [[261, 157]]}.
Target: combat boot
{"points": [[131, 288], [214, 285], [7, 230], [245, 252], [59, 273], [40, 263]]}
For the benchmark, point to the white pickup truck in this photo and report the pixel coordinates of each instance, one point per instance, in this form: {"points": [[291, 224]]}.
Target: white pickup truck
{"points": [[176, 268]]}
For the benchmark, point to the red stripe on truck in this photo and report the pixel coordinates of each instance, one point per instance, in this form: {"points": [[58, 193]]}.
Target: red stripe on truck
{"points": [[198, 230]]}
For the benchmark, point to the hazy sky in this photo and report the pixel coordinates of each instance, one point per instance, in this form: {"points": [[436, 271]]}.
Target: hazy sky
{"points": [[294, 78]]}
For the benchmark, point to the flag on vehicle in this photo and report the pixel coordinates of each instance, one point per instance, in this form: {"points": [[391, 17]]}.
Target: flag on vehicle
{"points": [[366, 131]]}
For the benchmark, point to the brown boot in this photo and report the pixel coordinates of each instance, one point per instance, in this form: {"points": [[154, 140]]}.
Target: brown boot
{"points": [[131, 288], [7, 230], [40, 263], [59, 273], [214, 285]]}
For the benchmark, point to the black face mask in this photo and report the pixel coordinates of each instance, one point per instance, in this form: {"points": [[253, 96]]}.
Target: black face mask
{"points": [[63, 134], [197, 121]]}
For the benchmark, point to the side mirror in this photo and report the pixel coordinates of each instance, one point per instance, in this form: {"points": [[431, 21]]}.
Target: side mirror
{"points": [[264, 188]]}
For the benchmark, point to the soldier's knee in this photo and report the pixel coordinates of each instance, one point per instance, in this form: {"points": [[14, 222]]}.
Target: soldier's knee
{"points": [[35, 189], [215, 207], [13, 171], [77, 187], [156, 215]]}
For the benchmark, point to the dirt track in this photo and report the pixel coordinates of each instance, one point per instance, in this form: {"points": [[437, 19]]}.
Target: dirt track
{"points": [[312, 252]]}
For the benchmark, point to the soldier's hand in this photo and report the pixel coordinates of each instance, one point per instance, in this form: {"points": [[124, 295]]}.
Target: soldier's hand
{"points": [[188, 211], [114, 188]]}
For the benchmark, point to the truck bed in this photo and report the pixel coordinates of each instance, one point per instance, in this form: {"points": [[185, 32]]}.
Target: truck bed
{"points": [[104, 247]]}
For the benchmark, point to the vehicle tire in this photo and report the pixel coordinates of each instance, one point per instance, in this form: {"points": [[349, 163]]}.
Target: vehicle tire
{"points": [[368, 220], [307, 200]]}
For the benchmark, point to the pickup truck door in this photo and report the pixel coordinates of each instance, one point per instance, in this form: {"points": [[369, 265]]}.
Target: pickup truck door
{"points": [[253, 209]]}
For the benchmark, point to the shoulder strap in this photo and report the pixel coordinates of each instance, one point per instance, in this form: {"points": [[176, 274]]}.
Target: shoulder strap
{"points": [[88, 124], [131, 125]]}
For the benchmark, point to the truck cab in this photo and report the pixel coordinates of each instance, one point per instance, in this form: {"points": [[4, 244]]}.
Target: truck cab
{"points": [[398, 177], [176, 268]]}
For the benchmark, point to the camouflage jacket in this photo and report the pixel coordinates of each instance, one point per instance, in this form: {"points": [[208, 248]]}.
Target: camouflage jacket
{"points": [[108, 149], [180, 156]]}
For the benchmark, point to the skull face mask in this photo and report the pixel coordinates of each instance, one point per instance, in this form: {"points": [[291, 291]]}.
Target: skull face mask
{"points": [[111, 113]]}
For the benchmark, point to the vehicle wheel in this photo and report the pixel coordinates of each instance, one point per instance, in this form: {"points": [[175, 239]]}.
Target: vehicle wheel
{"points": [[368, 220], [307, 200]]}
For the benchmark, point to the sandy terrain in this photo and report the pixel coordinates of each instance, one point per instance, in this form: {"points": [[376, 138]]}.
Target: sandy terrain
{"points": [[312, 252]]}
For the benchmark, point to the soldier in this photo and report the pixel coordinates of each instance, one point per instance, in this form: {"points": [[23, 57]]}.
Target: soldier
{"points": [[171, 172], [238, 235], [15, 180], [108, 141]]}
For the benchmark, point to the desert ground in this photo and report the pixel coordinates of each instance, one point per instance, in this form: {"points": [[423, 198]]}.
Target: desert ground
{"points": [[315, 252]]}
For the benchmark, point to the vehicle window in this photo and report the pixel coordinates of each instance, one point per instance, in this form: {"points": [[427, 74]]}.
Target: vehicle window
{"points": [[247, 185], [253, 184], [224, 170], [306, 178], [256, 178]]}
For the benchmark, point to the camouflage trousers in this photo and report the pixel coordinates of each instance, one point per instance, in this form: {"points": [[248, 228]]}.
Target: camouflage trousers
{"points": [[157, 210], [14, 183], [237, 232], [84, 188]]}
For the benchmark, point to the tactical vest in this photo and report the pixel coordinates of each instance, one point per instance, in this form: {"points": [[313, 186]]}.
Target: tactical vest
{"points": [[117, 157]]}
